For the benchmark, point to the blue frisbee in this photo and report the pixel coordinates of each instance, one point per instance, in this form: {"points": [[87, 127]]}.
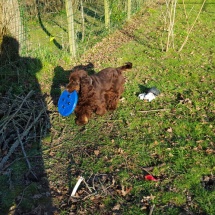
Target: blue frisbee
{"points": [[67, 102]]}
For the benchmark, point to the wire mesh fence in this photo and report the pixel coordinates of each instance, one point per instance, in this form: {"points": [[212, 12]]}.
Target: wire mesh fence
{"points": [[39, 24]]}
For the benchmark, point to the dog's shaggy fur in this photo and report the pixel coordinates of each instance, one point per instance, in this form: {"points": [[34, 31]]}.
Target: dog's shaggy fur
{"points": [[98, 92]]}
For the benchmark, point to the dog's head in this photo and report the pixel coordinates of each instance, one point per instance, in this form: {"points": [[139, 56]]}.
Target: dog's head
{"points": [[75, 79]]}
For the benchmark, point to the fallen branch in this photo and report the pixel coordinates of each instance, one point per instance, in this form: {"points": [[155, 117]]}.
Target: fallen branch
{"points": [[18, 109], [15, 145], [23, 151], [25, 120]]}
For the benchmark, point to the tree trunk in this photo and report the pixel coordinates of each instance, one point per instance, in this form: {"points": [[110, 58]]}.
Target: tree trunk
{"points": [[10, 20], [71, 30]]}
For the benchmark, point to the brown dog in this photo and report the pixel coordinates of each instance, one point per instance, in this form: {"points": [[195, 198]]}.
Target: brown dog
{"points": [[98, 92]]}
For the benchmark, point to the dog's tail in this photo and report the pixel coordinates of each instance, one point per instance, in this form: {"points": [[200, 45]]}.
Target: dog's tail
{"points": [[127, 65]]}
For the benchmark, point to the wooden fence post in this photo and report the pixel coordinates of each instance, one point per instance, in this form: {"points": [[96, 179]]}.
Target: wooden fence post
{"points": [[129, 9], [71, 30], [107, 13]]}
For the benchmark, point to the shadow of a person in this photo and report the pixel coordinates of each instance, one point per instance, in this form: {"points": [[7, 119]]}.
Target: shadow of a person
{"points": [[17, 71], [61, 79], [24, 187]]}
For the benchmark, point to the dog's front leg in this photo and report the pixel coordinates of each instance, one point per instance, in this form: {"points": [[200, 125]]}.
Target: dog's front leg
{"points": [[101, 110], [82, 116]]}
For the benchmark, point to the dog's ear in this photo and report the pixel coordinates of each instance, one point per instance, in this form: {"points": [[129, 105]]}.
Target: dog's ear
{"points": [[74, 83], [75, 80], [86, 85], [87, 80]]}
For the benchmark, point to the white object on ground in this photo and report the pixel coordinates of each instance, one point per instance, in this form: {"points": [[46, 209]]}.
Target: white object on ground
{"points": [[76, 186], [149, 96], [141, 96]]}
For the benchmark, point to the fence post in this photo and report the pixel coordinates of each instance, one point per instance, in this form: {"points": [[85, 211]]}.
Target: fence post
{"points": [[71, 30], [129, 9], [107, 13], [83, 22]]}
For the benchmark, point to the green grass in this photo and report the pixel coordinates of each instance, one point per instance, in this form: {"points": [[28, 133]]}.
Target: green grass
{"points": [[112, 151]]}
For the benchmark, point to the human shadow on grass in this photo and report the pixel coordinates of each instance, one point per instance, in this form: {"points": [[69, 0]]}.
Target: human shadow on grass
{"points": [[61, 79], [24, 122]]}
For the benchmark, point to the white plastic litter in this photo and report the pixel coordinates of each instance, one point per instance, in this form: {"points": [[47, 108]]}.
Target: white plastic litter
{"points": [[141, 96], [149, 96], [76, 186]]}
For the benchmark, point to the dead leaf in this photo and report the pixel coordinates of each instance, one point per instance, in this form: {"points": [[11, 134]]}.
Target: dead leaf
{"points": [[210, 151], [187, 101], [169, 130], [96, 152], [156, 142], [126, 191], [102, 206], [117, 207], [120, 151], [52, 153]]}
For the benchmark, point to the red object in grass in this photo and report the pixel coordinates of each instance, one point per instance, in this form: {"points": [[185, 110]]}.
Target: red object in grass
{"points": [[150, 178]]}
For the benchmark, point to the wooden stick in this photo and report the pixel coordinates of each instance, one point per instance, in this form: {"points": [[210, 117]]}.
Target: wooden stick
{"points": [[147, 111], [151, 209], [18, 109], [16, 143], [22, 145]]}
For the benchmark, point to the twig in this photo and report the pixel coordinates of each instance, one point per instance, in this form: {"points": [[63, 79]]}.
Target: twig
{"points": [[16, 143], [23, 151], [184, 9], [92, 194], [111, 120], [8, 165], [87, 186], [151, 209], [157, 110], [18, 109], [22, 146], [186, 39], [150, 168], [103, 188]]}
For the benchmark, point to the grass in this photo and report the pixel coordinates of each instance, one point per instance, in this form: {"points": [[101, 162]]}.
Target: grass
{"points": [[114, 152]]}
